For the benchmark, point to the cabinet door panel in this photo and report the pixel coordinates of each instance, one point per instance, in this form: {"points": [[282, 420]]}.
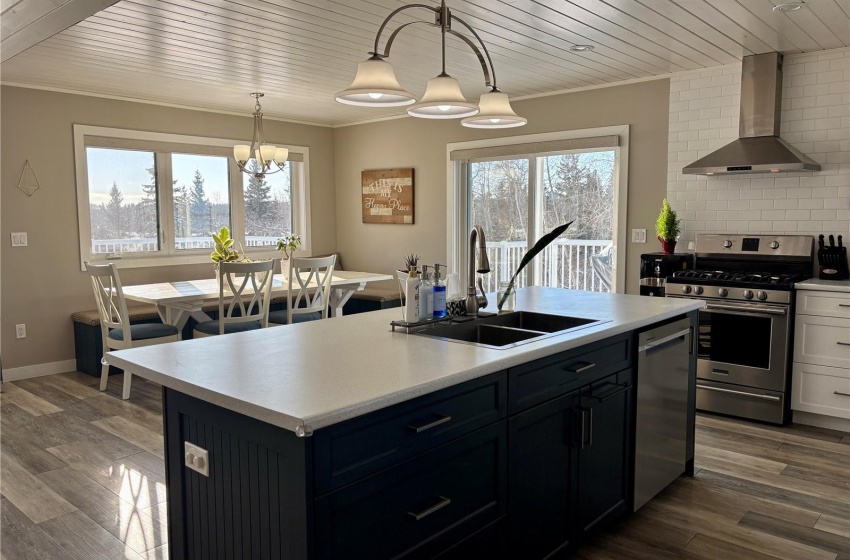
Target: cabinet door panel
{"points": [[540, 477], [603, 484]]}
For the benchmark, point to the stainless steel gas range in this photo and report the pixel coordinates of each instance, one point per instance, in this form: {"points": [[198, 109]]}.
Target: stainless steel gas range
{"points": [[745, 329]]}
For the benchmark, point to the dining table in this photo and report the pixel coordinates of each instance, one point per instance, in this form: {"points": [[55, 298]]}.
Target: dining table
{"points": [[177, 301]]}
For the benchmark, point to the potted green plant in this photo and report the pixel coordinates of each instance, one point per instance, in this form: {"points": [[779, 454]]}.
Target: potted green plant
{"points": [[223, 249], [667, 228], [288, 244]]}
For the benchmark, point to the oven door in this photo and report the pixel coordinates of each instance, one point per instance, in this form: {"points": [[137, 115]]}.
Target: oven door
{"points": [[743, 344]]}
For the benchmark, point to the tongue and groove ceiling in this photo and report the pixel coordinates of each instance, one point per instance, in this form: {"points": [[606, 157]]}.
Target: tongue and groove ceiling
{"points": [[211, 53]]}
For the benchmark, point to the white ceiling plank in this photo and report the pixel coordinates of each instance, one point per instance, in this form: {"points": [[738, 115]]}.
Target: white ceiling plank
{"points": [[48, 24], [802, 27], [735, 30], [695, 25], [209, 54], [659, 30]]}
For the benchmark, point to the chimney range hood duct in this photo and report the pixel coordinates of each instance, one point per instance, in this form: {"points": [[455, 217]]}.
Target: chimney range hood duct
{"points": [[758, 148]]}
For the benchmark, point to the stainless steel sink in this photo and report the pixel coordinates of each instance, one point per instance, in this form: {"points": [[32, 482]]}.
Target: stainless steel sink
{"points": [[507, 330]]}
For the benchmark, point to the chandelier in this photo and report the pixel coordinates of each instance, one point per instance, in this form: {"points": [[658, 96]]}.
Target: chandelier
{"points": [[375, 84], [267, 159]]}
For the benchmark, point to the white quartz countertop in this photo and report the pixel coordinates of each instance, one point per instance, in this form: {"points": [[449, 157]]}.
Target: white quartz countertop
{"points": [[311, 375], [824, 285]]}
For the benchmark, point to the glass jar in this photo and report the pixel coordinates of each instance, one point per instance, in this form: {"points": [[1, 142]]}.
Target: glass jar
{"points": [[510, 301]]}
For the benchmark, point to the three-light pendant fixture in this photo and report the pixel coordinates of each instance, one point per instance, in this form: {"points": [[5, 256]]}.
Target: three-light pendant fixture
{"points": [[375, 84]]}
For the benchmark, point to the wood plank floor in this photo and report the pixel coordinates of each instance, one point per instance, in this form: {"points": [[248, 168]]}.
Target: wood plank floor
{"points": [[83, 478]]}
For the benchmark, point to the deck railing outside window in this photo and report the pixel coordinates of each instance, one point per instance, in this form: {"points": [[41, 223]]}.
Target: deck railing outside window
{"points": [[110, 246], [566, 263]]}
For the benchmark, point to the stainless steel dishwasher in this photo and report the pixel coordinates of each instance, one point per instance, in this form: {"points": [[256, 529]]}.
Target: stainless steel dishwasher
{"points": [[662, 408]]}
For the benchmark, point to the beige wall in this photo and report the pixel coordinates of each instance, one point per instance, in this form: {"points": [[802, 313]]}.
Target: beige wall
{"points": [[42, 284], [421, 144]]}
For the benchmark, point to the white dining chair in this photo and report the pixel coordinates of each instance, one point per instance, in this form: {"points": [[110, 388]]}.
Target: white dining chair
{"points": [[115, 327], [306, 302], [244, 293]]}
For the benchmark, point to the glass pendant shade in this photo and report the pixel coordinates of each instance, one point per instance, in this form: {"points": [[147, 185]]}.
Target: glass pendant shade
{"points": [[494, 112], [267, 152], [375, 85], [241, 152], [280, 155], [443, 100]]}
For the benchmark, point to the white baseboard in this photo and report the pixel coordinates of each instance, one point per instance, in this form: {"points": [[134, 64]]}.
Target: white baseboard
{"points": [[39, 370], [821, 421]]}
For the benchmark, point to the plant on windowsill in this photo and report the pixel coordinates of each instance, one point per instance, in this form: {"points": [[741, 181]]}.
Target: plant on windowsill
{"points": [[667, 228], [541, 244]]}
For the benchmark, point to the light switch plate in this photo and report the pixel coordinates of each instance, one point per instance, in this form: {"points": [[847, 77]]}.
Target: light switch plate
{"points": [[196, 458], [19, 239], [638, 236]]}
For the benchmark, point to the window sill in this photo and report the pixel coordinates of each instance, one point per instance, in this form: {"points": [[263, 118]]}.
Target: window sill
{"points": [[176, 260]]}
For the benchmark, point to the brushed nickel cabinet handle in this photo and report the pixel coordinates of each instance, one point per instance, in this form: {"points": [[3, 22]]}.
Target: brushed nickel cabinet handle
{"points": [[843, 343], [436, 507], [429, 425], [844, 305], [578, 369], [840, 393]]}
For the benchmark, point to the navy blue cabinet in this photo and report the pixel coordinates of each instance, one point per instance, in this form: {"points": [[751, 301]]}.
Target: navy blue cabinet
{"points": [[521, 464]]}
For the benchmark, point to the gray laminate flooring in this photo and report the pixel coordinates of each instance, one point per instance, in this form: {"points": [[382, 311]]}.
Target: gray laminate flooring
{"points": [[83, 478]]}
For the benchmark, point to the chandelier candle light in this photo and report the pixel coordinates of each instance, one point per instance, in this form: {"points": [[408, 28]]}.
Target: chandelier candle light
{"points": [[269, 159], [375, 84]]}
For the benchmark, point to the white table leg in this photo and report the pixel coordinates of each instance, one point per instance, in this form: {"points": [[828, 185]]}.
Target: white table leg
{"points": [[341, 294], [178, 314]]}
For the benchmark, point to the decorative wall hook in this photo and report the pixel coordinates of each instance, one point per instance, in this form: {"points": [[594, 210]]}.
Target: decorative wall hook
{"points": [[28, 182]]}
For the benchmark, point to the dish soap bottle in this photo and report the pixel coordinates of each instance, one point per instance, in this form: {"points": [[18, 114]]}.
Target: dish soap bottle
{"points": [[426, 295], [411, 304], [439, 294]]}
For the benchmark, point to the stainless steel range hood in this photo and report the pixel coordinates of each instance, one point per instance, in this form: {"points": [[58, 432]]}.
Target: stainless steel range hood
{"points": [[758, 148]]}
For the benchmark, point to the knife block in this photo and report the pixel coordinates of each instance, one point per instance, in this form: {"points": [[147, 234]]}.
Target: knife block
{"points": [[832, 263]]}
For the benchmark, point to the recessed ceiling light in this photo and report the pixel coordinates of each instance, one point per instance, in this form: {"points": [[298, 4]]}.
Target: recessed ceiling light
{"points": [[581, 48], [788, 7]]}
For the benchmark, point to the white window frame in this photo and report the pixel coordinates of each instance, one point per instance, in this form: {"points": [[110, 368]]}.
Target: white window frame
{"points": [[168, 255], [457, 226]]}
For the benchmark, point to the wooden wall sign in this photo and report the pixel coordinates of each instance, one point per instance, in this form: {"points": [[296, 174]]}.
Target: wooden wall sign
{"points": [[387, 196]]}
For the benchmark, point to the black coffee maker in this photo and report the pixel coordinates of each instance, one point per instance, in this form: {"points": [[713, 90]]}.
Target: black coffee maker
{"points": [[656, 267]]}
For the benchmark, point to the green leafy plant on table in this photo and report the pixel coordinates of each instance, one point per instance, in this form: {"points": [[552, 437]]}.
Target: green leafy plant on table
{"points": [[541, 244], [288, 244]]}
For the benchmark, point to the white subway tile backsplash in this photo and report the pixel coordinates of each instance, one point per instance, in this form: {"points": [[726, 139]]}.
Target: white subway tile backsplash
{"points": [[704, 113]]}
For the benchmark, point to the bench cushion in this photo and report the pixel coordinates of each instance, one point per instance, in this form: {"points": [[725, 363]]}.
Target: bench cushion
{"points": [[279, 317], [377, 294], [211, 327], [145, 332], [136, 313]]}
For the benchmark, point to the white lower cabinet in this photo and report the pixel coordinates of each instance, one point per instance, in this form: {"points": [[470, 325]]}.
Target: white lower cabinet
{"points": [[821, 370], [821, 390]]}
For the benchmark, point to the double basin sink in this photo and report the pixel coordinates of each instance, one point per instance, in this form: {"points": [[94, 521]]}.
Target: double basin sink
{"points": [[508, 329]]}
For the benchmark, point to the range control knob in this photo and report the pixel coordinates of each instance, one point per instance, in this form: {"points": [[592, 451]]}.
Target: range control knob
{"points": [[723, 292], [774, 244], [727, 244], [748, 294], [686, 289], [698, 290], [762, 295]]}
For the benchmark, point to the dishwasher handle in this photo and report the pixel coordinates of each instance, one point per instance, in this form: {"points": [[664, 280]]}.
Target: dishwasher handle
{"points": [[653, 346]]}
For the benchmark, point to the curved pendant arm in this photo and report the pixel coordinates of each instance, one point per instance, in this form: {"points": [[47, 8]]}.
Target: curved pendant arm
{"points": [[393, 36], [483, 47], [387, 20], [477, 52]]}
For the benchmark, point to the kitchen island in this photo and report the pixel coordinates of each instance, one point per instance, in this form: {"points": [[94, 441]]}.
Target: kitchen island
{"points": [[343, 439]]}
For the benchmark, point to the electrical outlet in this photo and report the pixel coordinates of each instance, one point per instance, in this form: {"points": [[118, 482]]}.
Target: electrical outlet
{"points": [[21, 331], [638, 236], [19, 239], [196, 458]]}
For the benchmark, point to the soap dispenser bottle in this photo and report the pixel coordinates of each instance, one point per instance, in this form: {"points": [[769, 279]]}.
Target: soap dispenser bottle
{"points": [[426, 295], [439, 288], [411, 305]]}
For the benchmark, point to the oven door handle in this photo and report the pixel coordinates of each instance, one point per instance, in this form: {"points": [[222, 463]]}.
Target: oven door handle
{"points": [[744, 393], [746, 310]]}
